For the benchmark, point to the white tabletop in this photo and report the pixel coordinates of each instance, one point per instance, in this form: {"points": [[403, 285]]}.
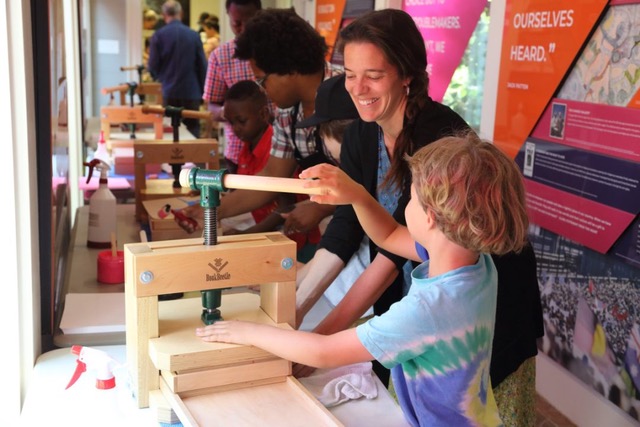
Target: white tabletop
{"points": [[48, 402]]}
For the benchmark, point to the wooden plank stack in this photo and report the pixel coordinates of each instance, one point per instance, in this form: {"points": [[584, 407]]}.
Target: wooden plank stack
{"points": [[214, 383]]}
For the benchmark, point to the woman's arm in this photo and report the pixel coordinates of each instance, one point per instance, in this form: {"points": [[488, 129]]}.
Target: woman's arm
{"points": [[380, 226], [364, 292], [313, 279]]}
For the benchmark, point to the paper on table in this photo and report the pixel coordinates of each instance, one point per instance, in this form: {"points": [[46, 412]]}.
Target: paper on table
{"points": [[93, 313]]}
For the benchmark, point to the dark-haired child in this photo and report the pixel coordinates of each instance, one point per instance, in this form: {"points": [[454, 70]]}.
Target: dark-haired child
{"points": [[247, 112]]}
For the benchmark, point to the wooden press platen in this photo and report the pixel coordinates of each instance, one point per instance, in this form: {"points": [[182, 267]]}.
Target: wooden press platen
{"points": [[214, 383]]}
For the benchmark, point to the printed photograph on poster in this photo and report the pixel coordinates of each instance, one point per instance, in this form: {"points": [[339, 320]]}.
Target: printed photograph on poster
{"points": [[558, 116], [591, 317], [529, 158]]}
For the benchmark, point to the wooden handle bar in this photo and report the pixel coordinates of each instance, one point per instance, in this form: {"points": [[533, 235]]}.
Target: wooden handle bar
{"points": [[121, 88], [187, 114], [265, 183], [129, 68]]}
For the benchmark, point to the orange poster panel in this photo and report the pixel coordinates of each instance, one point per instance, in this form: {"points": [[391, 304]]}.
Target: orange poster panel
{"points": [[541, 39], [635, 101], [328, 18]]}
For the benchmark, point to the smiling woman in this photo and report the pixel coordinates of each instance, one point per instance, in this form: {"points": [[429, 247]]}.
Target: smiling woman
{"points": [[385, 63]]}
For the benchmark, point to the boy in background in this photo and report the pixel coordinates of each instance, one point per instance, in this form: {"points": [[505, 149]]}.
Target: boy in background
{"points": [[438, 339], [247, 112]]}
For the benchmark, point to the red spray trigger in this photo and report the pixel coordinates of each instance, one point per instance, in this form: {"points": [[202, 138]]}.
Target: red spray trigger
{"points": [[81, 367], [92, 164], [96, 360]]}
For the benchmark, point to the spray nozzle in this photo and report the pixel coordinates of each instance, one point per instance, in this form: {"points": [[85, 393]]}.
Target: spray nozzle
{"points": [[100, 165], [98, 360]]}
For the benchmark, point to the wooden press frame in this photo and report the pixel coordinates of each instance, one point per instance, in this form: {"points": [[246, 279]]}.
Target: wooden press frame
{"points": [[173, 266], [121, 114]]}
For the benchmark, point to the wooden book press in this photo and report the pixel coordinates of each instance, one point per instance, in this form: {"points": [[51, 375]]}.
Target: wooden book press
{"points": [[112, 115], [218, 384], [144, 89], [175, 153]]}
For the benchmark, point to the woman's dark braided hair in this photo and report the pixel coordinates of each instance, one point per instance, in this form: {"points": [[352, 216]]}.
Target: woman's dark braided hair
{"points": [[395, 33]]}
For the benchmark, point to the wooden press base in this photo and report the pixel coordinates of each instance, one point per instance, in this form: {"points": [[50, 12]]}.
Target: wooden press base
{"points": [[217, 384], [285, 404], [178, 349]]}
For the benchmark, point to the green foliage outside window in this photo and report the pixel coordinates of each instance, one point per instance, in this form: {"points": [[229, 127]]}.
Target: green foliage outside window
{"points": [[464, 94]]}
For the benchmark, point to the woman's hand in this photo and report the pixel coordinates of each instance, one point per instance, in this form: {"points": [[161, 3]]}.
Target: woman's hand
{"points": [[338, 188]]}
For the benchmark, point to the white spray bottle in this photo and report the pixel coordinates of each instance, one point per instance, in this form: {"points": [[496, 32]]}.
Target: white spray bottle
{"points": [[102, 209], [101, 152]]}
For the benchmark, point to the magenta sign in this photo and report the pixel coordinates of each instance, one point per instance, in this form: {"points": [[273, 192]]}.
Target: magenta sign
{"points": [[446, 26]]}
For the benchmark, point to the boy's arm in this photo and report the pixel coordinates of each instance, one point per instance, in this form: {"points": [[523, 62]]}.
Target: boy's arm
{"points": [[321, 351], [379, 225]]}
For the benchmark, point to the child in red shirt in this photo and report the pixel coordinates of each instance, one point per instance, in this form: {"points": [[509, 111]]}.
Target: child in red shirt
{"points": [[246, 110]]}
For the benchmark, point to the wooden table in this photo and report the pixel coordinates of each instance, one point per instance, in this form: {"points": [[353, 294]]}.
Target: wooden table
{"points": [[56, 367]]}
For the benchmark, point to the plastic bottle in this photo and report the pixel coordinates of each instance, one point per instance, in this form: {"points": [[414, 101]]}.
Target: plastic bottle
{"points": [[102, 209], [101, 152]]}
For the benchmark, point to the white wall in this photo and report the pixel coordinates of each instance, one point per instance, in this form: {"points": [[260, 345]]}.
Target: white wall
{"points": [[109, 47], [578, 402], [20, 315]]}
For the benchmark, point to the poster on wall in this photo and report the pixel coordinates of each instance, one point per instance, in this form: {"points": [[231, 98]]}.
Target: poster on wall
{"points": [[332, 16], [446, 26], [581, 165], [540, 40]]}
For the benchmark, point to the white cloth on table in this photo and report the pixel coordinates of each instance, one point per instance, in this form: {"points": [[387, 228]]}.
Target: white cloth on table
{"points": [[335, 386]]}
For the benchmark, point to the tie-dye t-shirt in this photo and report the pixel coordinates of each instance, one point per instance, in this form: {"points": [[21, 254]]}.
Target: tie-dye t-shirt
{"points": [[437, 341]]}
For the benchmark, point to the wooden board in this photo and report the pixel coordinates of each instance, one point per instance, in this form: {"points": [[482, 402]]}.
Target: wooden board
{"points": [[165, 227], [284, 404], [178, 349], [230, 377]]}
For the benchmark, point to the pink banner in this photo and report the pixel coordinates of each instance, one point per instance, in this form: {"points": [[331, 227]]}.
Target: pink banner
{"points": [[446, 26], [589, 223], [612, 131]]}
